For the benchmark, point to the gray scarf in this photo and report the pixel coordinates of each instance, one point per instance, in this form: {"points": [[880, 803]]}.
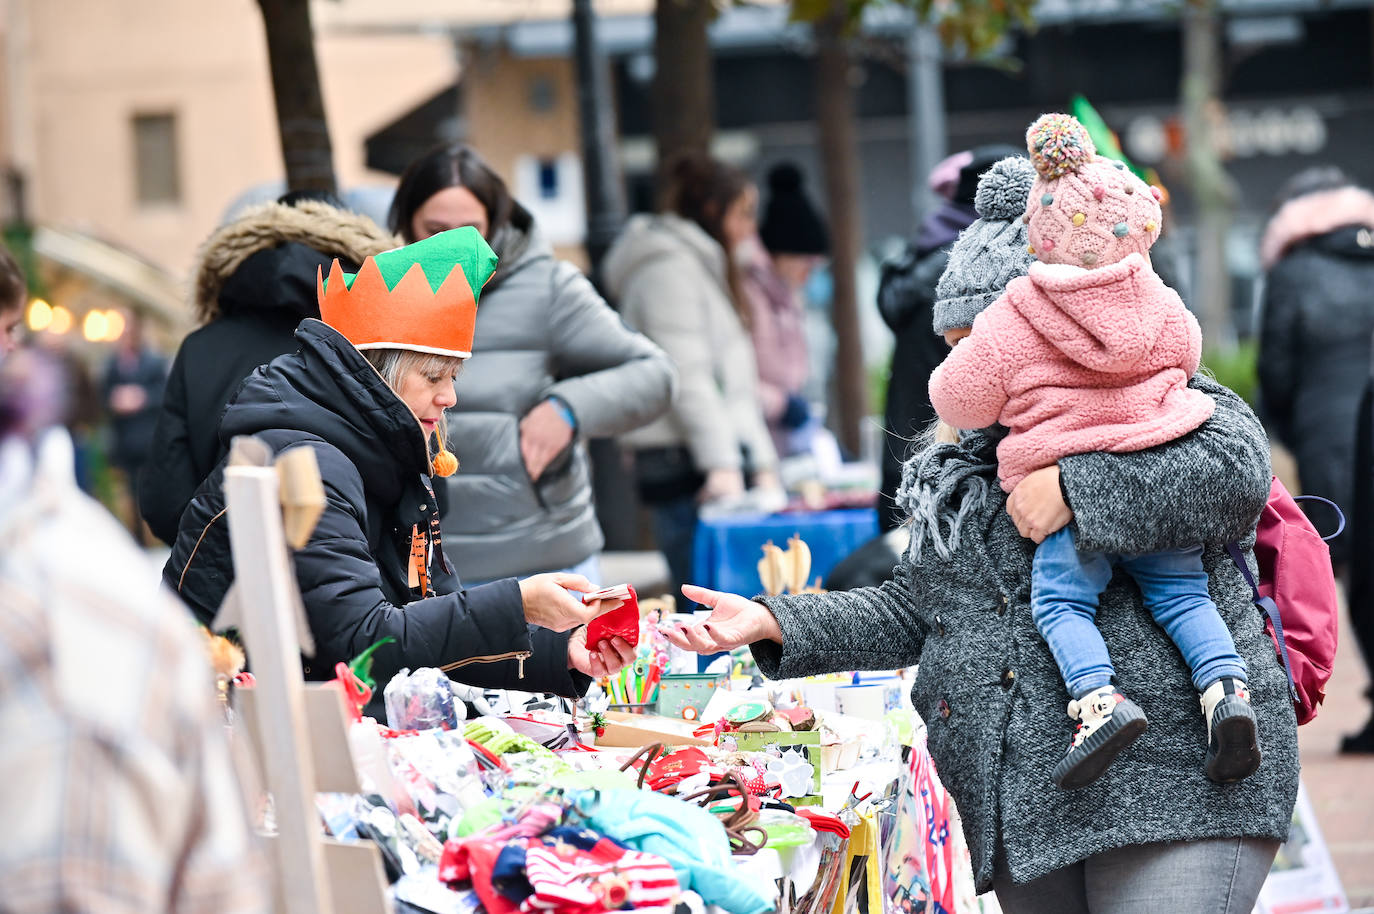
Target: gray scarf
{"points": [[944, 484]]}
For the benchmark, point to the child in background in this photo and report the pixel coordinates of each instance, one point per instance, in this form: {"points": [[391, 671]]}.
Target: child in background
{"points": [[1093, 352]]}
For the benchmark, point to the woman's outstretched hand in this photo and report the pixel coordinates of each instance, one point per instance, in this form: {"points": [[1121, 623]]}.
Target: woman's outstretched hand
{"points": [[548, 604], [734, 622], [599, 660], [1037, 505]]}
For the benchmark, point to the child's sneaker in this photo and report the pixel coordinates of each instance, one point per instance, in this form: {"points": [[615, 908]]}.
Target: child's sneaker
{"points": [[1108, 723], [1233, 751]]}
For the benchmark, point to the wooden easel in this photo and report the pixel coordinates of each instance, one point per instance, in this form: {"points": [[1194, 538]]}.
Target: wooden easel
{"points": [[269, 503]]}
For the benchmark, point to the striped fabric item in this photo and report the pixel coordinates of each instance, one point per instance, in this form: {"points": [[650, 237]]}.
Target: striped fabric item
{"points": [[605, 877]]}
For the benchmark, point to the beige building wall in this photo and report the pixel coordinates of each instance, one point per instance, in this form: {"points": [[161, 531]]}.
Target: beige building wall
{"points": [[92, 65]]}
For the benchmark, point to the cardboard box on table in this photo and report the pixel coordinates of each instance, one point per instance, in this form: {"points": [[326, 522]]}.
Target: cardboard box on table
{"points": [[631, 731]]}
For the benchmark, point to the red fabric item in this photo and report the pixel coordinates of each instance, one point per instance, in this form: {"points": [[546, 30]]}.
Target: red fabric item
{"points": [[1295, 571], [821, 821], [676, 767], [472, 861], [622, 621]]}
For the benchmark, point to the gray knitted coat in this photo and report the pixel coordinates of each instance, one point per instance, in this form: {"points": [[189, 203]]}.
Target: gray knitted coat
{"points": [[993, 698]]}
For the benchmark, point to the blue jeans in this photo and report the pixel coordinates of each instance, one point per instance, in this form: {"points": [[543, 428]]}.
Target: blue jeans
{"points": [[675, 530], [1211, 876], [1066, 584]]}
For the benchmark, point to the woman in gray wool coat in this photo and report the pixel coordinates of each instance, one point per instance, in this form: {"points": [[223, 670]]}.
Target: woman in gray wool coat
{"points": [[1153, 834]]}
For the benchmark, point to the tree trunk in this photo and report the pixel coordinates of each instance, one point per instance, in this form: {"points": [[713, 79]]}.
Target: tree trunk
{"points": [[683, 90], [1214, 193], [301, 121], [839, 150], [596, 109]]}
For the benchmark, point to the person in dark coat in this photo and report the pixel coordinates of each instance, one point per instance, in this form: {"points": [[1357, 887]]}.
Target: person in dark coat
{"points": [[906, 299], [254, 281], [131, 389], [367, 389], [1316, 342]]}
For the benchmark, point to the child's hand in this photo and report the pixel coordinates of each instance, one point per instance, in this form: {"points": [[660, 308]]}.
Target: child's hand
{"points": [[1037, 505]]}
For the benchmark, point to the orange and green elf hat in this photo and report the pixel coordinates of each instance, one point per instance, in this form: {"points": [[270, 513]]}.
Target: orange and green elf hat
{"points": [[421, 297]]}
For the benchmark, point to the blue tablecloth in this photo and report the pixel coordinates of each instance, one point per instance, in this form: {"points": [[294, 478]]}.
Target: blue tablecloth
{"points": [[727, 549]]}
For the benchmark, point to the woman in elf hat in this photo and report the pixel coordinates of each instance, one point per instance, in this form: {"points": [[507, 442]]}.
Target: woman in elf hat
{"points": [[367, 389], [1155, 833]]}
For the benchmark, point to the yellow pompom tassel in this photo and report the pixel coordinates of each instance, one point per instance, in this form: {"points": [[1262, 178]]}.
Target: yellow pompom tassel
{"points": [[444, 464]]}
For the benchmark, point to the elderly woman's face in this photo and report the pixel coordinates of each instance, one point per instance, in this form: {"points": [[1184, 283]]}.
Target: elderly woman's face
{"points": [[952, 337], [428, 396]]}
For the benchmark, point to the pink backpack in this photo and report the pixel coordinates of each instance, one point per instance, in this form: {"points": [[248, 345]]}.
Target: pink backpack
{"points": [[1296, 592]]}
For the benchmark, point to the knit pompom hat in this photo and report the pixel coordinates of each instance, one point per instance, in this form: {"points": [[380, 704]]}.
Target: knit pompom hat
{"points": [[992, 251], [1084, 209]]}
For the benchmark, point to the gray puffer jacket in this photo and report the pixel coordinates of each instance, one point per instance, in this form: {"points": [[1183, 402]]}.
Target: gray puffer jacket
{"points": [[992, 696], [542, 330]]}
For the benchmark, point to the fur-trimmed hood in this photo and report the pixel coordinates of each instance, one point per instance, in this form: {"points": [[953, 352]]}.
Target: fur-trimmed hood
{"points": [[302, 235], [1313, 215]]}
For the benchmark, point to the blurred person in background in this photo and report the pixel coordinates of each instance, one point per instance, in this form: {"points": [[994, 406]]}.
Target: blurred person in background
{"points": [[253, 282], [1316, 340], [676, 280], [552, 366], [13, 296], [132, 389], [775, 267], [129, 801], [906, 300]]}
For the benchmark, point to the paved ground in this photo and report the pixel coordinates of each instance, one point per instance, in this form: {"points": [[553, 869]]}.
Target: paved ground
{"points": [[1342, 786]]}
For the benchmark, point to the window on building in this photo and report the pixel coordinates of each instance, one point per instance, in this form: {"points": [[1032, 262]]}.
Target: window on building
{"points": [[155, 159], [548, 179]]}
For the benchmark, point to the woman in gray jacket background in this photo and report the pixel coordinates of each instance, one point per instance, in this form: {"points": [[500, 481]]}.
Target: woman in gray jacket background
{"points": [[552, 365], [675, 278], [1154, 834]]}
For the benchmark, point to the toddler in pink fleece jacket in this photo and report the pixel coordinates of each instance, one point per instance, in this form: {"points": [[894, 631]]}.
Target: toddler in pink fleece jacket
{"points": [[1092, 352]]}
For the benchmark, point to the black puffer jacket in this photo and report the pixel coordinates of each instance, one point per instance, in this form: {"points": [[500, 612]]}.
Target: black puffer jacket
{"points": [[255, 280], [1317, 324], [906, 299], [353, 572]]}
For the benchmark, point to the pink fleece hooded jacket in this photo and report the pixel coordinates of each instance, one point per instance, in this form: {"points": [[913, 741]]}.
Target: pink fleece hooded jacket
{"points": [[1073, 360]]}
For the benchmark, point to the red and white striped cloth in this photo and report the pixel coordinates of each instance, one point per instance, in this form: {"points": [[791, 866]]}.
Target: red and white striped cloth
{"points": [[605, 877]]}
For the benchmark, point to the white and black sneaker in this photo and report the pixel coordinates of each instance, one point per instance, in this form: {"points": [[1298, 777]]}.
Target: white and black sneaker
{"points": [[1233, 751], [1108, 723]]}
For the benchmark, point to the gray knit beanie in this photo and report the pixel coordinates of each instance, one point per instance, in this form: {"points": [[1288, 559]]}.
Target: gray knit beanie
{"points": [[992, 251]]}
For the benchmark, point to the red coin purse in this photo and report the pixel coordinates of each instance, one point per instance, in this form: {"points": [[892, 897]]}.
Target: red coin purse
{"points": [[622, 621]]}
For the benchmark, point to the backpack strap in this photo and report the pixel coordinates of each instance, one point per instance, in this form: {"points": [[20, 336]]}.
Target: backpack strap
{"points": [[1270, 609], [1340, 515]]}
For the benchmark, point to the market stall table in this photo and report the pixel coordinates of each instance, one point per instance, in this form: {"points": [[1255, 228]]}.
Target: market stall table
{"points": [[727, 549]]}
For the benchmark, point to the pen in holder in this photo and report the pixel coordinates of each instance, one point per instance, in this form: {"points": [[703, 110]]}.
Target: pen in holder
{"points": [[639, 707]]}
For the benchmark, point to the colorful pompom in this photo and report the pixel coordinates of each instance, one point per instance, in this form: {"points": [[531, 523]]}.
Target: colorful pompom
{"points": [[1121, 230], [1058, 144]]}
